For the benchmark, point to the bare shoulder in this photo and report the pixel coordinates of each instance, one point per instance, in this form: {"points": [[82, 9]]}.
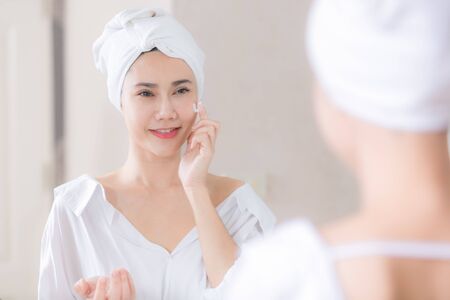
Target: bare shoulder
{"points": [[224, 184], [109, 179], [110, 183], [346, 230], [221, 187]]}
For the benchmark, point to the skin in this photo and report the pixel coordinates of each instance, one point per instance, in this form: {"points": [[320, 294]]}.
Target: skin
{"points": [[158, 183], [404, 183], [115, 287]]}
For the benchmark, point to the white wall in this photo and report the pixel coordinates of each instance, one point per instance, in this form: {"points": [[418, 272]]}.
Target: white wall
{"points": [[26, 130]]}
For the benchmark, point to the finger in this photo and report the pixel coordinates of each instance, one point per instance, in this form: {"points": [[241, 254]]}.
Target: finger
{"points": [[100, 289], [189, 138], [206, 123], [201, 140], [190, 146], [209, 128], [86, 287], [206, 129], [131, 284], [210, 131], [202, 111], [126, 290], [82, 288], [115, 291]]}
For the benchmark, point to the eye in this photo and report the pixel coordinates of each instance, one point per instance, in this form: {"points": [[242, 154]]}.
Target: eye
{"points": [[146, 94], [182, 91]]}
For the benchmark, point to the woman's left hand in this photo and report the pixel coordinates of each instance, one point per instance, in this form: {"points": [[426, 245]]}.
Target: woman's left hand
{"points": [[195, 161], [118, 286]]}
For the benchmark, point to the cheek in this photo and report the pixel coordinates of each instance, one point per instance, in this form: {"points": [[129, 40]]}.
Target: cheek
{"points": [[188, 121], [186, 112], [137, 118]]}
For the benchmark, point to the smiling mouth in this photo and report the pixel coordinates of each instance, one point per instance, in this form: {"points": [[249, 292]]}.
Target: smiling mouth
{"points": [[165, 133]]}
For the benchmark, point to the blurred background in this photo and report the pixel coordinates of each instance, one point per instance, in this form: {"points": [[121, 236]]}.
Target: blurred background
{"points": [[57, 124]]}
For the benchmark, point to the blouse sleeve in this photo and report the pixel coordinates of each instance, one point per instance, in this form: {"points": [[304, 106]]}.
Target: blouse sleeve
{"points": [[271, 268], [248, 220], [55, 263]]}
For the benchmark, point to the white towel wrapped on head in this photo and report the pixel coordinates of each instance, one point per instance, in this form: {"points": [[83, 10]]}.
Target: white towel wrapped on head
{"points": [[384, 61], [135, 31]]}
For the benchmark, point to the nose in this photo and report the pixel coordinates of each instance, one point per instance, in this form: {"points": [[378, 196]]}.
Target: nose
{"points": [[166, 111]]}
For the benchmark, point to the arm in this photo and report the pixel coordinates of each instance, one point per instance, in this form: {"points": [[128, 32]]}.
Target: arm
{"points": [[218, 247], [248, 221]]}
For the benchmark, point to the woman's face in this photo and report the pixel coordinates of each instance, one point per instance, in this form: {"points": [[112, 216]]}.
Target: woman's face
{"points": [[157, 103]]}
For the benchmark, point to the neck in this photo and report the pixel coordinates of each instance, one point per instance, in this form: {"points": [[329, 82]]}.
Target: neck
{"points": [[144, 168], [405, 178]]}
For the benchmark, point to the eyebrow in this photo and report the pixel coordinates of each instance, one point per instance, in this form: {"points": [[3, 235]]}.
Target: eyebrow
{"points": [[152, 85]]}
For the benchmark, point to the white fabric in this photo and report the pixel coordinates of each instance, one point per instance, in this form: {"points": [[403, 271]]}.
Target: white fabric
{"points": [[86, 236], [295, 263], [384, 61], [134, 31], [410, 249]]}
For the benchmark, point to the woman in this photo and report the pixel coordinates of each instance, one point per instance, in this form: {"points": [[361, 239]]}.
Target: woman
{"points": [[383, 106], [172, 229]]}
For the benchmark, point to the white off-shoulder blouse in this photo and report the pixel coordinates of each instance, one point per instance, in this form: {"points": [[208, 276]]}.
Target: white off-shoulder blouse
{"points": [[86, 236]]}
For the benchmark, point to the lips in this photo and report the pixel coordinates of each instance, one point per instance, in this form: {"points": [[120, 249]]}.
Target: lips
{"points": [[165, 133]]}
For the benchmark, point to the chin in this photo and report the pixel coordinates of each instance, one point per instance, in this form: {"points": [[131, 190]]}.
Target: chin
{"points": [[164, 152], [161, 148]]}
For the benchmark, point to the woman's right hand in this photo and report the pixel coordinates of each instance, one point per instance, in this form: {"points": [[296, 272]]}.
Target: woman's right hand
{"points": [[118, 286]]}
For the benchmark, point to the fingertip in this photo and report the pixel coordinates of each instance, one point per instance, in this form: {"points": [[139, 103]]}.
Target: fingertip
{"points": [[202, 110], [101, 282], [80, 286], [79, 283], [123, 274], [131, 285], [100, 289]]}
